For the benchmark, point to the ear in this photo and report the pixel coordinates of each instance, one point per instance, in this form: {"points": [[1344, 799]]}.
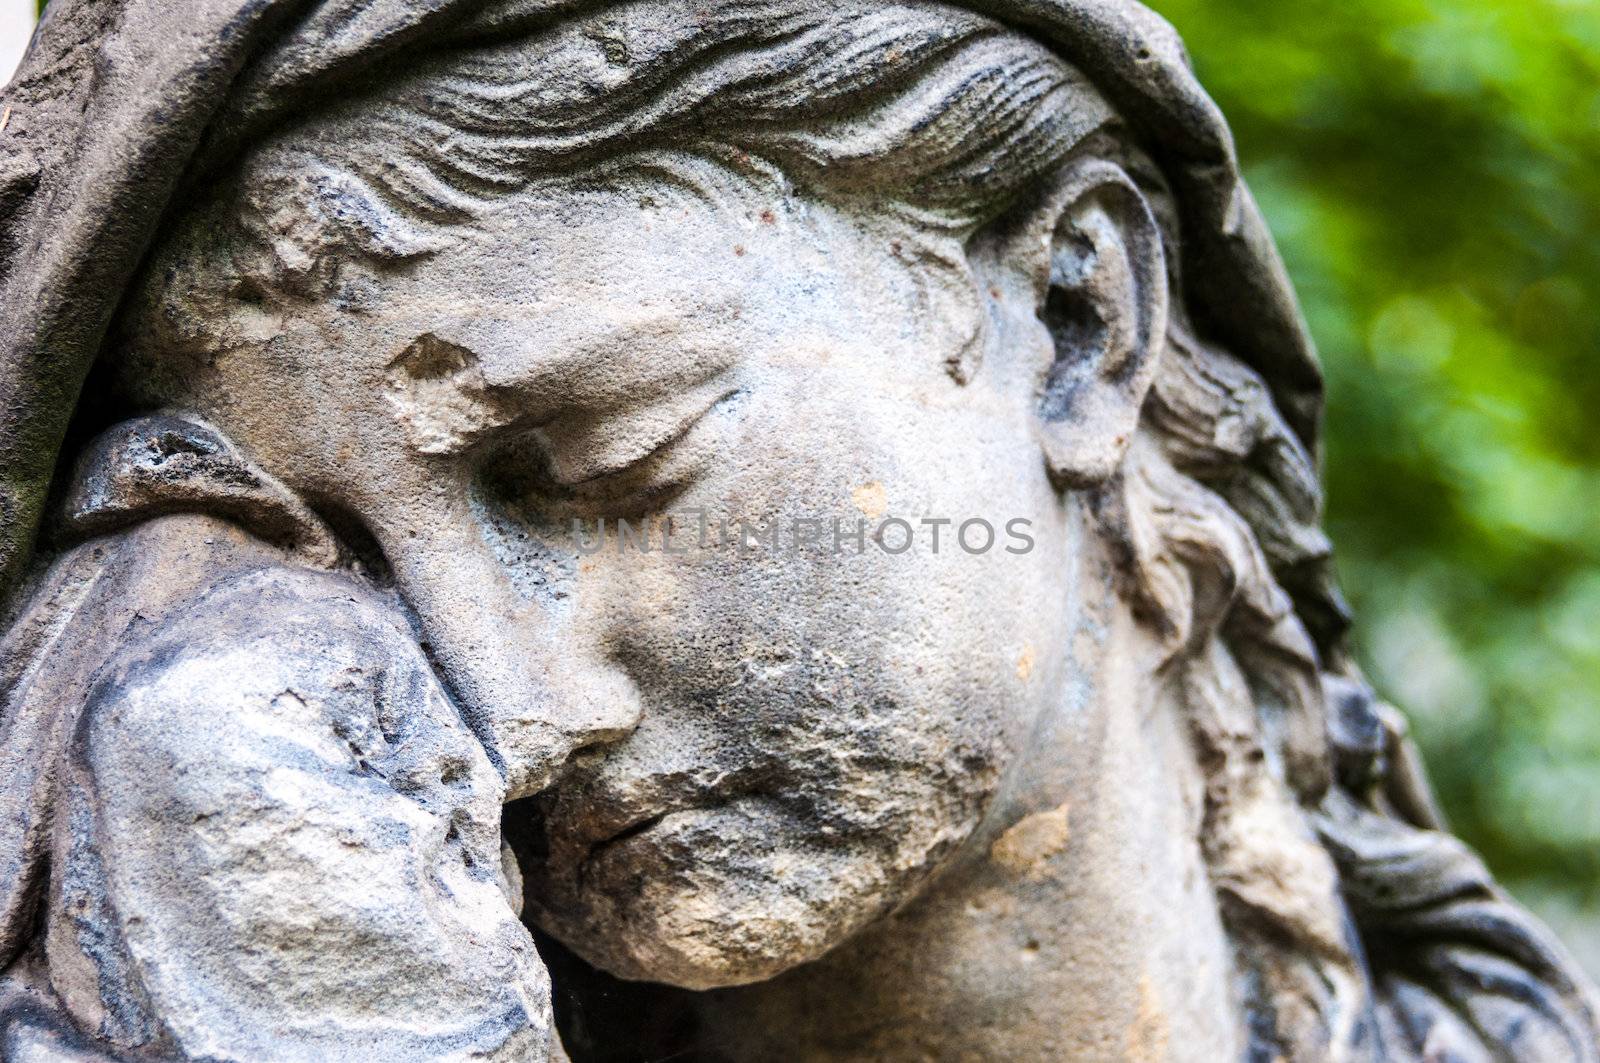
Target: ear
{"points": [[1092, 252]]}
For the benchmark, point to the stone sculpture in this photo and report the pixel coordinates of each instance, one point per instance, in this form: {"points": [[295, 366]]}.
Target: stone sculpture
{"points": [[473, 471]]}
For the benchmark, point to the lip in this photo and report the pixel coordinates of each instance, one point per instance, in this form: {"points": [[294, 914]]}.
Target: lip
{"points": [[642, 825], [633, 830], [599, 849]]}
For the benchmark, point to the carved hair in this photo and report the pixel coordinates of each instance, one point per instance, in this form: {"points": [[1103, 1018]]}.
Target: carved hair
{"points": [[1361, 930], [942, 112]]}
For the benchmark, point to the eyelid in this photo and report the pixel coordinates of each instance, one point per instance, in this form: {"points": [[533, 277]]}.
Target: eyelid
{"points": [[600, 446]]}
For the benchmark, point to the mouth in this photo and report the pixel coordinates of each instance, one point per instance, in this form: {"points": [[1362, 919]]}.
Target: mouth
{"points": [[640, 826], [633, 830]]}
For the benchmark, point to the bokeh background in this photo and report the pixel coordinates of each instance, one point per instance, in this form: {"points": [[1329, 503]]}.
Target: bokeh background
{"points": [[1432, 171]]}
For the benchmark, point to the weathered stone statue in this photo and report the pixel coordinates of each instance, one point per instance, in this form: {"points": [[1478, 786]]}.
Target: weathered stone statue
{"points": [[808, 509]]}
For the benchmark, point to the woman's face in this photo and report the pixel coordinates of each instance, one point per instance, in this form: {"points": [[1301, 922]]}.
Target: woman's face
{"points": [[755, 750]]}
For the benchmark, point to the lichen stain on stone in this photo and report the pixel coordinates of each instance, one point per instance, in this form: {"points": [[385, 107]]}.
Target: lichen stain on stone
{"points": [[1027, 845], [1025, 662], [871, 500], [1148, 1034]]}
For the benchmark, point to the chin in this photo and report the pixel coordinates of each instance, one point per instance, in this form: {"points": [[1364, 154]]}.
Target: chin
{"points": [[704, 947], [717, 897]]}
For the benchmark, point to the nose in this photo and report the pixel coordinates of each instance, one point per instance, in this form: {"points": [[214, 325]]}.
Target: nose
{"points": [[600, 704], [531, 691], [533, 707]]}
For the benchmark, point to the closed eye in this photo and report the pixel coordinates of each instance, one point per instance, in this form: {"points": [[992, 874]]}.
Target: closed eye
{"points": [[586, 450], [621, 465]]}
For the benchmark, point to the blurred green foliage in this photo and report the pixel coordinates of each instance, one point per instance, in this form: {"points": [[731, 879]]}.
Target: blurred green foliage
{"points": [[1432, 171]]}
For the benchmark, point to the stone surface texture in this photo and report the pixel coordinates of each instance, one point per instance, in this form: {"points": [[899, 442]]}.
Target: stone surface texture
{"points": [[733, 530]]}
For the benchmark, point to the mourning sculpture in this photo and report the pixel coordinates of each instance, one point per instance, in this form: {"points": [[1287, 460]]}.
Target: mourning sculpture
{"points": [[722, 530]]}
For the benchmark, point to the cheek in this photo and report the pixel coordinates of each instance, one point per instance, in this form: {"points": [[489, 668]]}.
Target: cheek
{"points": [[975, 638], [888, 688], [823, 724]]}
